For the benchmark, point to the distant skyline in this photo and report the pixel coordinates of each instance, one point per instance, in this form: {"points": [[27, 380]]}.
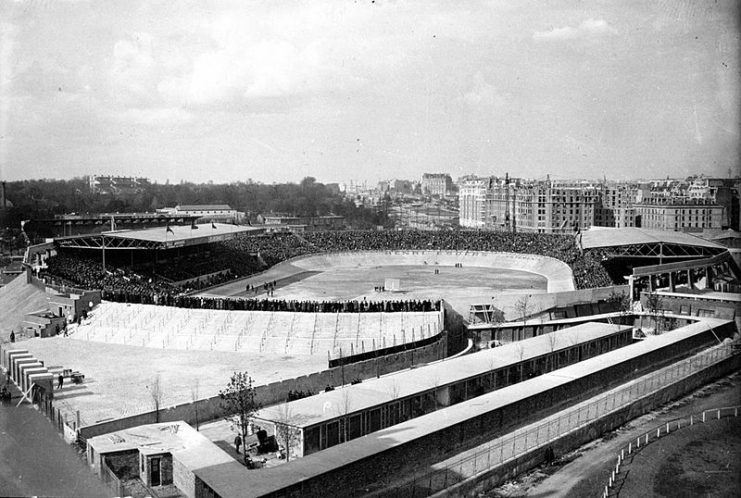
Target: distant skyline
{"points": [[275, 91]]}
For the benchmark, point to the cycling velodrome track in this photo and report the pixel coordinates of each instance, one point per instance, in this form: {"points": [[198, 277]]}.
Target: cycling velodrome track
{"points": [[480, 277], [123, 348]]}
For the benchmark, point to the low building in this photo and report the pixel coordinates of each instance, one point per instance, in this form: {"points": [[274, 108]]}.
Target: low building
{"points": [[109, 184], [303, 223], [206, 212], [159, 455]]}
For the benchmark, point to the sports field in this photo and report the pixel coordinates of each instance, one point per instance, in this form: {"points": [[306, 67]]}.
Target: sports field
{"points": [[460, 287]]}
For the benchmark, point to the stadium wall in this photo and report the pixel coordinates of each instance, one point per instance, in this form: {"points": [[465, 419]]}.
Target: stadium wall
{"points": [[277, 392]]}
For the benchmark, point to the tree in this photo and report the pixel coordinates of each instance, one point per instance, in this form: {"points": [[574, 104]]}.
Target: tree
{"points": [[344, 410], [286, 431], [654, 303], [523, 308], [520, 348], [194, 398], [155, 391], [620, 301], [552, 343], [238, 402]]}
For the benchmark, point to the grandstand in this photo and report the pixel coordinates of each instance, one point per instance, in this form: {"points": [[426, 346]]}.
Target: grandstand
{"points": [[270, 332]]}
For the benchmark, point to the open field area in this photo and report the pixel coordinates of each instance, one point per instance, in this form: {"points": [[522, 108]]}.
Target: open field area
{"points": [[460, 287], [117, 376]]}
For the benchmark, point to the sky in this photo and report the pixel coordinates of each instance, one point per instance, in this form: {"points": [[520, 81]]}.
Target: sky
{"points": [[344, 90]]}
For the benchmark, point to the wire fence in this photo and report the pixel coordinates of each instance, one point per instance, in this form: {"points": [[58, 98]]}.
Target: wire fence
{"points": [[522, 441], [614, 481]]}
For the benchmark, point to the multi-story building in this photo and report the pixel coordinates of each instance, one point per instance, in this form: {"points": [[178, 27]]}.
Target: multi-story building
{"points": [[534, 206], [472, 194], [615, 205], [437, 184], [117, 184], [679, 214]]}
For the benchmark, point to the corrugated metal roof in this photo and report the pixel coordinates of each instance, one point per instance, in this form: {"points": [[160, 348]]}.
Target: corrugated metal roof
{"points": [[610, 237]]}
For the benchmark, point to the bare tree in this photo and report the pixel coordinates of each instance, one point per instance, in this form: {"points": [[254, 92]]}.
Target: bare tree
{"points": [[157, 395], [654, 303], [344, 410], [620, 301], [552, 343], [523, 308], [286, 430], [520, 348], [238, 402], [194, 398]]}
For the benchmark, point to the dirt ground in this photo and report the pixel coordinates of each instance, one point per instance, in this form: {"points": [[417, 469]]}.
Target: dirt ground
{"points": [[584, 472]]}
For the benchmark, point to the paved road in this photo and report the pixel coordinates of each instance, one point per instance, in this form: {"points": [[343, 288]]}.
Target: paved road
{"points": [[34, 460]]}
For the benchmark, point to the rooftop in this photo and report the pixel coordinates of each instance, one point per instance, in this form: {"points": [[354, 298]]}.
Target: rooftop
{"points": [[328, 405], [611, 237]]}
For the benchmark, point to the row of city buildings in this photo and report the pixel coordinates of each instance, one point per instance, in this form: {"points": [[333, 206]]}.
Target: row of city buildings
{"points": [[548, 206]]}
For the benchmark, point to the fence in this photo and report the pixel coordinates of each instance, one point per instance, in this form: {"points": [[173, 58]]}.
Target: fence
{"points": [[110, 479], [612, 489], [520, 442]]}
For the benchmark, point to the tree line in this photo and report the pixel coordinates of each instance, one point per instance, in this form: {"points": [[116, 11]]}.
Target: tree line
{"points": [[40, 199]]}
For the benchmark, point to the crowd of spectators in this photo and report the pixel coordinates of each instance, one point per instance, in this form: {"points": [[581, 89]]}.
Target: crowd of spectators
{"points": [[355, 306], [586, 265], [246, 255]]}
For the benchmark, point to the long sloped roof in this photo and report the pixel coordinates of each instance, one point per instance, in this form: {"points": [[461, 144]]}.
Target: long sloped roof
{"points": [[597, 237]]}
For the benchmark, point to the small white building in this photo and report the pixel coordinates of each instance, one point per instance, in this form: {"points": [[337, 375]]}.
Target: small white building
{"points": [[164, 454]]}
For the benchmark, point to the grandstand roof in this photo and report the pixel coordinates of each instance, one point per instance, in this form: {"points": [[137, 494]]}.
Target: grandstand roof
{"points": [[203, 207], [373, 392], [160, 237], [613, 237]]}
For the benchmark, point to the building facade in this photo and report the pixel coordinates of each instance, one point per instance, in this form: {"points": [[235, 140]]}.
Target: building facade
{"points": [[117, 184], [679, 214], [437, 184]]}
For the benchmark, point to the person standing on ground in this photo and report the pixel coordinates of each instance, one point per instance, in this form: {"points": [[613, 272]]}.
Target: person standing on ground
{"points": [[238, 442], [60, 381], [12, 336]]}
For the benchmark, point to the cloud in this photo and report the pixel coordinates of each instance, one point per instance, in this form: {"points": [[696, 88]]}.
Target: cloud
{"points": [[482, 93], [588, 27], [158, 116]]}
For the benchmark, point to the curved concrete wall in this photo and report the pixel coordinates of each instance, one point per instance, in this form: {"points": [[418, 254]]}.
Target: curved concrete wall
{"points": [[559, 275]]}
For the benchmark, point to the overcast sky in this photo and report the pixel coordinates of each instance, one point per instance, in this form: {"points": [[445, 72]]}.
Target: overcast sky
{"points": [[343, 90]]}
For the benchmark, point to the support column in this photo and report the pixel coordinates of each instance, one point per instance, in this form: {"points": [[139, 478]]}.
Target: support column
{"points": [[708, 277], [689, 279], [671, 281]]}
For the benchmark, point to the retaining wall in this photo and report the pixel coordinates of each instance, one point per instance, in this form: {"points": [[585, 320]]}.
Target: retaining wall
{"points": [[493, 477]]}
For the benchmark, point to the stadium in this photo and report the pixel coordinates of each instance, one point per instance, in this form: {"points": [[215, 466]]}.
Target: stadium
{"points": [[418, 341]]}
